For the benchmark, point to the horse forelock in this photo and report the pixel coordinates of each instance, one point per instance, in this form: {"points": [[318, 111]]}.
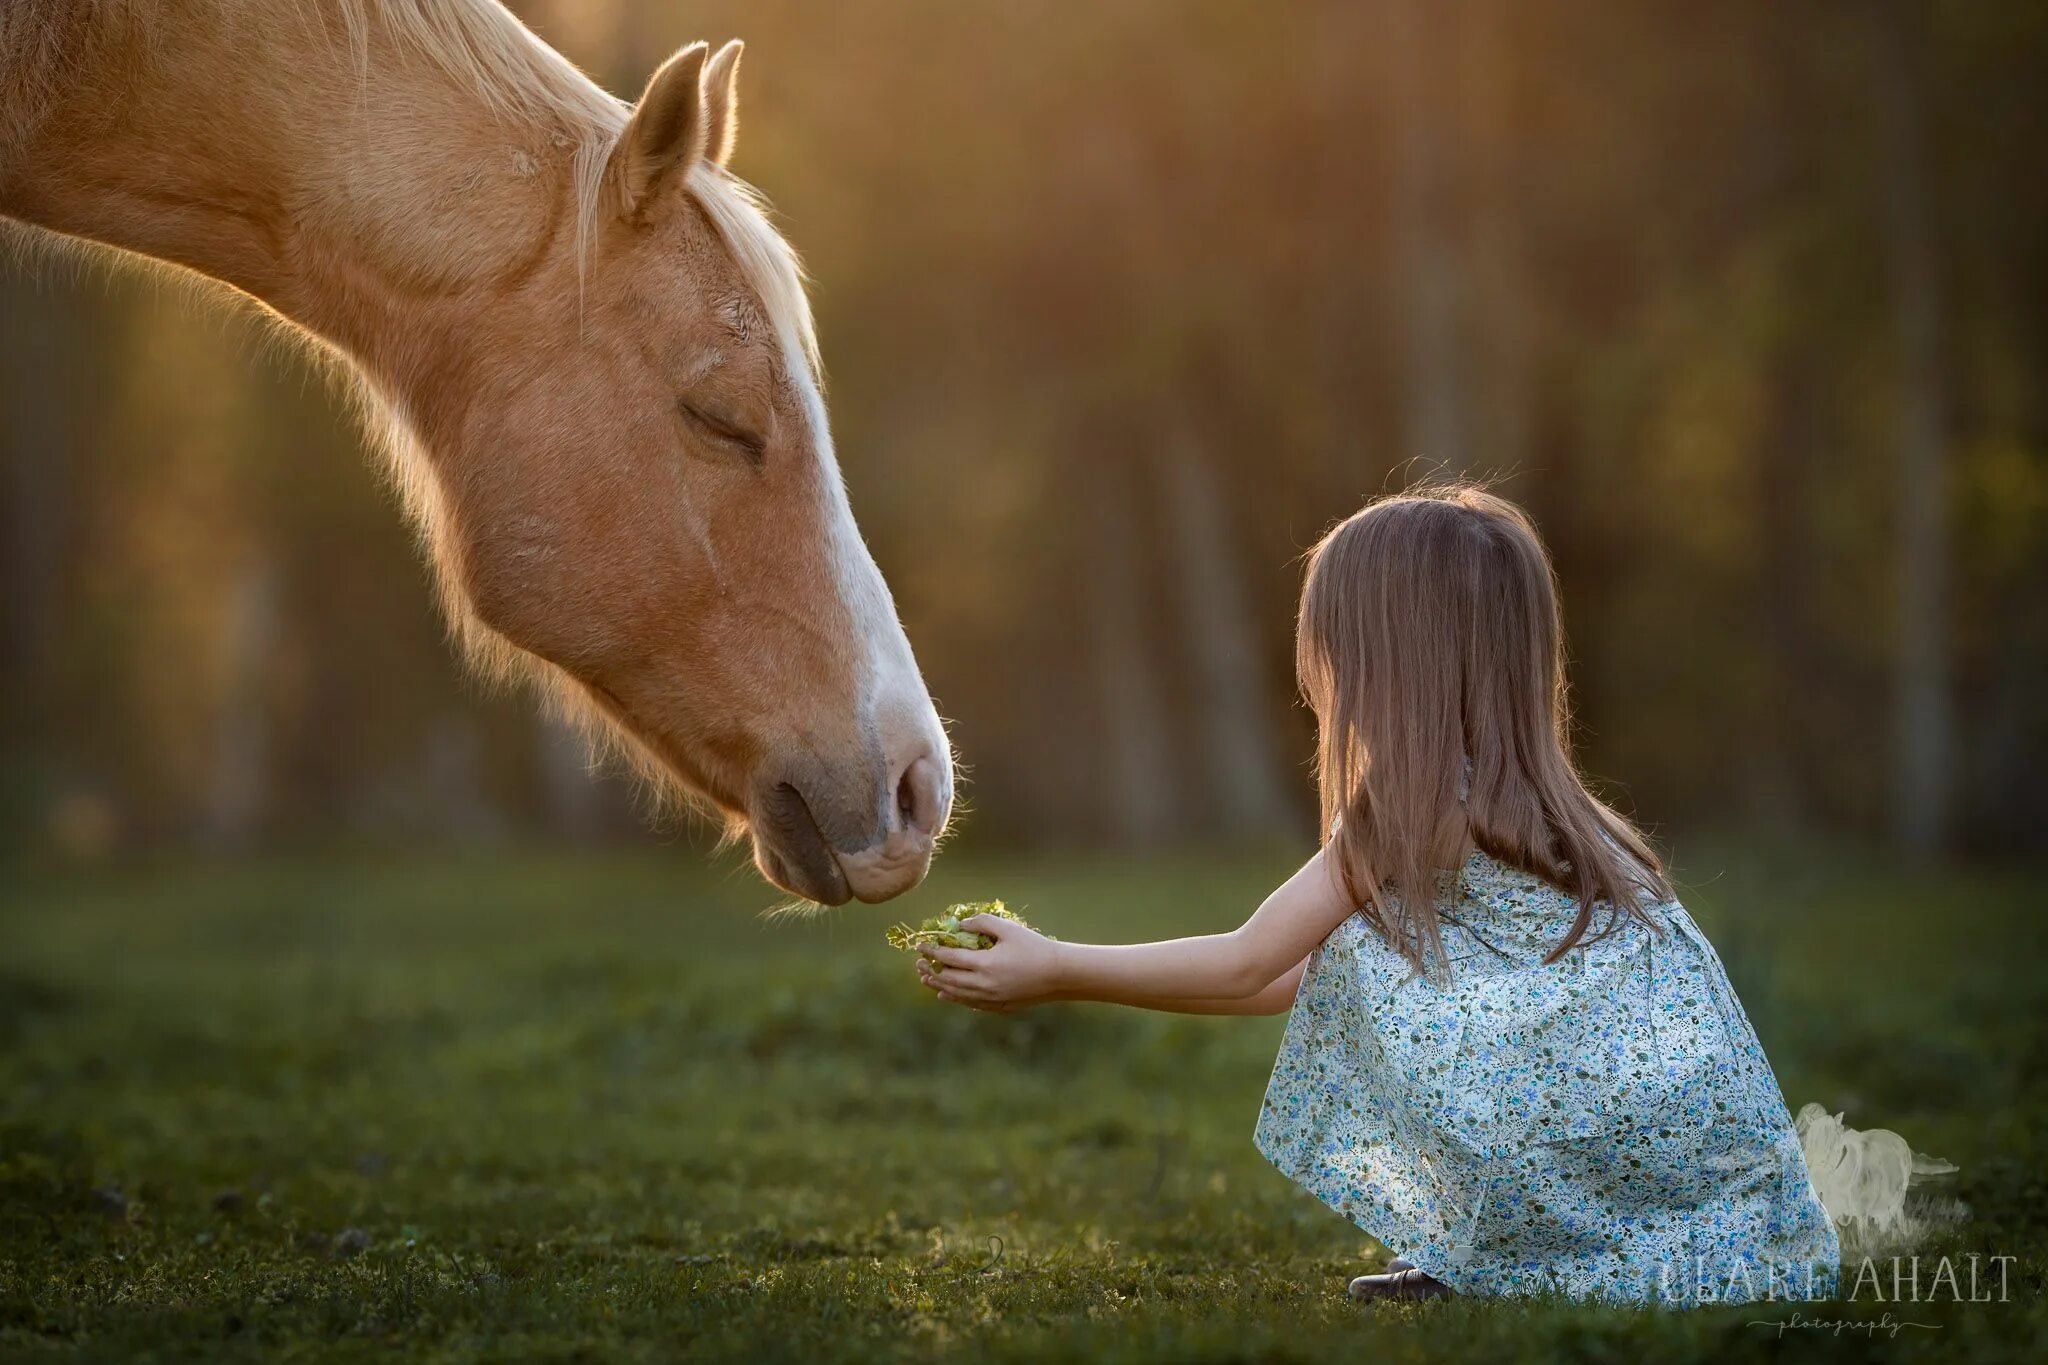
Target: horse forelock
{"points": [[739, 212], [764, 256]]}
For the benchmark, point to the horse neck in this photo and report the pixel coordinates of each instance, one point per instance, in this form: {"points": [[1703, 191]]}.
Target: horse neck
{"points": [[317, 157]]}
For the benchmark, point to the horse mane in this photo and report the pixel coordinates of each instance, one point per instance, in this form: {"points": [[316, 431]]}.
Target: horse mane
{"points": [[479, 42], [484, 45]]}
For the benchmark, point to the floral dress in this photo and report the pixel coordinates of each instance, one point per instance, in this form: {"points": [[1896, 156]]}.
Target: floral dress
{"points": [[1604, 1128]]}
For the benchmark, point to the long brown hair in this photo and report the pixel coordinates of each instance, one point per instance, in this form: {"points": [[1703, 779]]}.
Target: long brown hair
{"points": [[1429, 636]]}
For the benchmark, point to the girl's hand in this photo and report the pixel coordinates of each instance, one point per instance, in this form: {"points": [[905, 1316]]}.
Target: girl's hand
{"points": [[1022, 968]]}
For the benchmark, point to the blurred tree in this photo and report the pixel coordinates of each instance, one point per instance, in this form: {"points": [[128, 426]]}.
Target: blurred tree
{"points": [[238, 786], [1922, 723], [1233, 718], [1431, 272], [39, 444], [1137, 791]]}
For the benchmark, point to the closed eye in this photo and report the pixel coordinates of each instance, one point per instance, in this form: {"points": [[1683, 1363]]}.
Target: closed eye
{"points": [[722, 430]]}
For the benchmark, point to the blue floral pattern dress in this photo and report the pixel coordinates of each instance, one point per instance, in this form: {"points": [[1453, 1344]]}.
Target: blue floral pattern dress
{"points": [[1606, 1127]]}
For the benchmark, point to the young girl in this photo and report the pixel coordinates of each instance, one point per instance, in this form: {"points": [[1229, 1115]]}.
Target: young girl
{"points": [[1532, 1077]]}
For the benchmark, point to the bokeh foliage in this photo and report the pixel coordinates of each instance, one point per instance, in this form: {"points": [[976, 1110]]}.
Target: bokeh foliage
{"points": [[1123, 304]]}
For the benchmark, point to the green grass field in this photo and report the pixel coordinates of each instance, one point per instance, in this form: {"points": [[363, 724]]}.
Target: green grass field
{"points": [[518, 1106]]}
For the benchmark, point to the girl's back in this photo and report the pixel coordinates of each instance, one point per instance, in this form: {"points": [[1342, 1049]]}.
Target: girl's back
{"points": [[1605, 1125]]}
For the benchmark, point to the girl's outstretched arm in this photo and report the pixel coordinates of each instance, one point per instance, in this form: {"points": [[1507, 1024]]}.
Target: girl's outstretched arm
{"points": [[1026, 967], [1276, 998]]}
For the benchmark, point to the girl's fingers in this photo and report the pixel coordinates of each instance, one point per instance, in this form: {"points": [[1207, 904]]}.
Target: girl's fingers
{"points": [[995, 926], [961, 983], [948, 986]]}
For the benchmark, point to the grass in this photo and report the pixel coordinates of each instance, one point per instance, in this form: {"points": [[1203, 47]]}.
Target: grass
{"points": [[577, 1107]]}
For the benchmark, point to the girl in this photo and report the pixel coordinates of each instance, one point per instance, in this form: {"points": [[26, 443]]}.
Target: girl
{"points": [[1532, 1077]]}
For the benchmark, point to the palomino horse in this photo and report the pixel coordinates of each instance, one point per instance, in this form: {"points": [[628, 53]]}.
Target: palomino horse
{"points": [[592, 352]]}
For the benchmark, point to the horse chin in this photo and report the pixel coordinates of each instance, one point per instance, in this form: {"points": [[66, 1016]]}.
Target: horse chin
{"points": [[887, 871], [825, 886], [791, 852]]}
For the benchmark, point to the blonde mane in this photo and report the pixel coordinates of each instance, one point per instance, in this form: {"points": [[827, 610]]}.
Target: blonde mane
{"points": [[479, 42], [764, 256], [484, 45]]}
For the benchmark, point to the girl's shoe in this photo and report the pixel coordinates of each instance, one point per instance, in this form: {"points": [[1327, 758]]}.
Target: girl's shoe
{"points": [[1404, 1283]]}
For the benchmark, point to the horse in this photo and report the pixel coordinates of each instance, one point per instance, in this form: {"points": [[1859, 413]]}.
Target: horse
{"points": [[588, 353]]}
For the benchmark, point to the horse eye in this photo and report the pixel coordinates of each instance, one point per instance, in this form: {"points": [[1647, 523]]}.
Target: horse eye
{"points": [[723, 430]]}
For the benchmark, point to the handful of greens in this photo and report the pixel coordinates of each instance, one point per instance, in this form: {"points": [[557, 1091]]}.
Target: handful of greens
{"points": [[944, 928]]}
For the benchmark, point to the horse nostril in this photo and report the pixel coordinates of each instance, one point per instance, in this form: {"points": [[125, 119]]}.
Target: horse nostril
{"points": [[919, 798]]}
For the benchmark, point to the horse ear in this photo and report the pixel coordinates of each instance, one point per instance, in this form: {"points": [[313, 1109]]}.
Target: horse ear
{"points": [[665, 136], [722, 101]]}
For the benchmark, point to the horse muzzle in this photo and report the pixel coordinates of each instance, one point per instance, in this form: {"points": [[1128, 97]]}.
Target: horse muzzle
{"points": [[834, 851]]}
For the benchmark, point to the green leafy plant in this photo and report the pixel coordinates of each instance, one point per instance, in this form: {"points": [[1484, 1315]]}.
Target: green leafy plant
{"points": [[944, 928]]}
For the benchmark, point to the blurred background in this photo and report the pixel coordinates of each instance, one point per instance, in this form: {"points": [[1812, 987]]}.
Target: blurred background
{"points": [[339, 1002], [1122, 305]]}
